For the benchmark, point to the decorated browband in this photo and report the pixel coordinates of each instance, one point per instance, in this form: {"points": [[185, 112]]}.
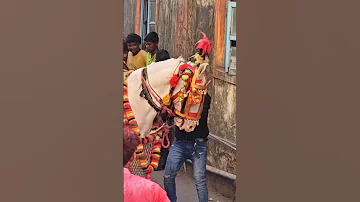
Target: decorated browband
{"points": [[193, 90]]}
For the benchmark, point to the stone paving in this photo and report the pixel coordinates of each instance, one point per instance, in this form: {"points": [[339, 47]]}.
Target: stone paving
{"points": [[185, 188]]}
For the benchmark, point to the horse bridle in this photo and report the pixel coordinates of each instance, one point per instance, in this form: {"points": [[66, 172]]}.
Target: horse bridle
{"points": [[149, 94], [145, 92]]}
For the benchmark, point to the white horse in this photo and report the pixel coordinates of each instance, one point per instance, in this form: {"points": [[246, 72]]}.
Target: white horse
{"points": [[158, 86]]}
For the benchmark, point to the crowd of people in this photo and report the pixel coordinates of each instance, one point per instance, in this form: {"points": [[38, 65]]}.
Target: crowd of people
{"points": [[135, 57], [187, 145]]}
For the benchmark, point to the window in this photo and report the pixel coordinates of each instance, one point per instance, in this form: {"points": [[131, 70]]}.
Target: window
{"points": [[230, 39], [151, 16], [148, 15], [143, 23]]}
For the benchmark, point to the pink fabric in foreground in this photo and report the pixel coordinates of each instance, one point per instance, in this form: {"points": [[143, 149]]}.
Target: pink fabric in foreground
{"points": [[138, 189]]}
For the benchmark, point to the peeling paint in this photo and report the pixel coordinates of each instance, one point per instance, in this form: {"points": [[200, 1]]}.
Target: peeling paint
{"points": [[222, 114], [204, 2], [129, 22], [230, 103], [222, 157]]}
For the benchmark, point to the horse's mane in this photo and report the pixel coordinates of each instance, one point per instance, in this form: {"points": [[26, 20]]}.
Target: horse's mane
{"points": [[180, 58]]}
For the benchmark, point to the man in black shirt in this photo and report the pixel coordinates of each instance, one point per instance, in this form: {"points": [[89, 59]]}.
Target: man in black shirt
{"points": [[191, 146]]}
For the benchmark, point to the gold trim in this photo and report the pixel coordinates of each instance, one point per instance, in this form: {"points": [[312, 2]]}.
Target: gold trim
{"points": [[199, 87], [193, 81], [184, 116]]}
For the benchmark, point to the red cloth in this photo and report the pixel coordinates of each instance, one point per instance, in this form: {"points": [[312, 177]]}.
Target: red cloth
{"points": [[138, 189]]}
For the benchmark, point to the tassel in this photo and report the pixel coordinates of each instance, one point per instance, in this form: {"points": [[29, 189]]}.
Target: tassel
{"points": [[204, 45], [198, 58], [166, 99], [174, 81]]}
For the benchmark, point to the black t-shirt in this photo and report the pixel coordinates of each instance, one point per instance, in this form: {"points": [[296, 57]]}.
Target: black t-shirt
{"points": [[202, 130]]}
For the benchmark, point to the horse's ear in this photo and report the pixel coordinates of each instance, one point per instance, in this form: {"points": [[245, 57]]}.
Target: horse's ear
{"points": [[202, 68], [181, 58]]}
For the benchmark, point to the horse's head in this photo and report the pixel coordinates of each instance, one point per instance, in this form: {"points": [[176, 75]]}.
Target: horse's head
{"points": [[190, 87]]}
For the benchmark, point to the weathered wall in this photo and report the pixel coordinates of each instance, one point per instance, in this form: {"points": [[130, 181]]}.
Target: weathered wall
{"points": [[222, 123], [129, 17], [180, 22], [166, 25], [223, 108]]}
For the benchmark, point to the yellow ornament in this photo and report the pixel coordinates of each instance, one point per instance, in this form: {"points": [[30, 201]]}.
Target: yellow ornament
{"points": [[199, 59], [166, 99], [183, 95], [185, 77], [195, 98]]}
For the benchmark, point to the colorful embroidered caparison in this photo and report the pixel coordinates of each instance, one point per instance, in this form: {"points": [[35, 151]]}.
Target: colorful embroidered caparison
{"points": [[147, 162]]}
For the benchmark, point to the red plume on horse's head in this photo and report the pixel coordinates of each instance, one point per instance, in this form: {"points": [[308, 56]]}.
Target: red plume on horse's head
{"points": [[204, 45]]}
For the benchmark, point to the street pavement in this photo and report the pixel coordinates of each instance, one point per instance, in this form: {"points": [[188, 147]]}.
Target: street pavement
{"points": [[185, 188]]}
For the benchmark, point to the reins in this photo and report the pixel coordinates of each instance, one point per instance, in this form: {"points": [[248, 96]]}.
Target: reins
{"points": [[156, 97]]}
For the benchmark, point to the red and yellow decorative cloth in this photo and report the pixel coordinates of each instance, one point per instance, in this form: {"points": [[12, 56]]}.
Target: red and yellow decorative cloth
{"points": [[148, 161]]}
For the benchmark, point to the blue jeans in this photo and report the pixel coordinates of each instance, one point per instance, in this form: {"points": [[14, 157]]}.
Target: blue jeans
{"points": [[180, 151]]}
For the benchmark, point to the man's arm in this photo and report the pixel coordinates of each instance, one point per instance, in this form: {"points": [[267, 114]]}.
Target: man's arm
{"points": [[206, 107]]}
